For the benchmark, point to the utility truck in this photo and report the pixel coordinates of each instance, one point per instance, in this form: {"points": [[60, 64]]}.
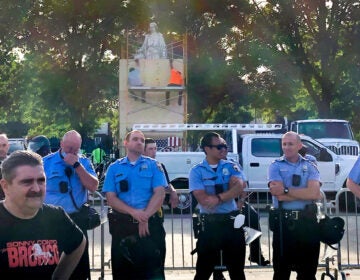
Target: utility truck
{"points": [[335, 134], [254, 146]]}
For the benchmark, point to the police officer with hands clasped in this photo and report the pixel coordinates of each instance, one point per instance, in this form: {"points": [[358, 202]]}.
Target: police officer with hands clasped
{"points": [[294, 183], [216, 183], [135, 190]]}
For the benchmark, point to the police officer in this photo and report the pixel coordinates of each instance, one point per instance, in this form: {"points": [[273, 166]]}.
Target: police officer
{"points": [[150, 151], [69, 177], [252, 220], [353, 180], [216, 183], [135, 189], [294, 183]]}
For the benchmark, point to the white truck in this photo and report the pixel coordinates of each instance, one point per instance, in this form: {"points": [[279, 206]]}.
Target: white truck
{"points": [[254, 146], [335, 134]]}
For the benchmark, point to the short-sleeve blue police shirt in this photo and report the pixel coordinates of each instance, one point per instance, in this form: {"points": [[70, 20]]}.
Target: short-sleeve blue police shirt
{"points": [[355, 172], [141, 178], [203, 177], [54, 167], [283, 170]]}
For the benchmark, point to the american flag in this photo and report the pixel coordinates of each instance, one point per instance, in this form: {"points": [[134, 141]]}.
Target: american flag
{"points": [[174, 141], [171, 141], [161, 143]]}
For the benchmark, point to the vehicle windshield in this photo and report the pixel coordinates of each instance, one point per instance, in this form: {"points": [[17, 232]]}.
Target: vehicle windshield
{"points": [[318, 130], [16, 145]]}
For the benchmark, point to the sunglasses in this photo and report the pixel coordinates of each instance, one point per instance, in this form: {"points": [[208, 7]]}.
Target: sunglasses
{"points": [[219, 147]]}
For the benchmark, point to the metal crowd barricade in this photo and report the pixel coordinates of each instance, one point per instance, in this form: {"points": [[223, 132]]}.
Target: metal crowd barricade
{"points": [[347, 207], [180, 240], [97, 236]]}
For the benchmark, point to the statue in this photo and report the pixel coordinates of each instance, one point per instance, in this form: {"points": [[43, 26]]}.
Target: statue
{"points": [[154, 46]]}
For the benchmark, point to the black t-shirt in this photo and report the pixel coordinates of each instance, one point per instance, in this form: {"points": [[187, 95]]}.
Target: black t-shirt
{"points": [[31, 248]]}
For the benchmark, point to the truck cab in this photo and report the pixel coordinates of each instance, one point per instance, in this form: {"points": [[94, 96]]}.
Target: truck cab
{"points": [[335, 134], [257, 151]]}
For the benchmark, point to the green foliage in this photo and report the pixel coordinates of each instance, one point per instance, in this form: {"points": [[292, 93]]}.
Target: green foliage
{"points": [[300, 57], [70, 70]]}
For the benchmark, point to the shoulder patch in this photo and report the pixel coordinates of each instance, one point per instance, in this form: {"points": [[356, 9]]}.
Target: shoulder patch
{"points": [[159, 166], [236, 167]]}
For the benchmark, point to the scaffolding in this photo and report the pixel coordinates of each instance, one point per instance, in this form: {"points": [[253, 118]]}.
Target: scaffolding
{"points": [[154, 101]]}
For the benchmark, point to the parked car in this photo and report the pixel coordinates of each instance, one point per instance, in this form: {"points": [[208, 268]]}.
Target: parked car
{"points": [[16, 144]]}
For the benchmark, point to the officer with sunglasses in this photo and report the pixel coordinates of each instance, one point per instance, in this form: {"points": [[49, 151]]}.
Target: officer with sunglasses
{"points": [[216, 183]]}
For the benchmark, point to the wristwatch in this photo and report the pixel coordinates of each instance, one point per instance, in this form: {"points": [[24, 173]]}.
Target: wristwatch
{"points": [[286, 190], [76, 165]]}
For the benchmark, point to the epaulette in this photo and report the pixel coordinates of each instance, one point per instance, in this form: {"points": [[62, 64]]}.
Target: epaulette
{"points": [[282, 158], [312, 163]]}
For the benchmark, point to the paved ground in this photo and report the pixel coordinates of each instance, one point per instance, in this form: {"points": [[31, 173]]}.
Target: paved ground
{"points": [[180, 242], [251, 274]]}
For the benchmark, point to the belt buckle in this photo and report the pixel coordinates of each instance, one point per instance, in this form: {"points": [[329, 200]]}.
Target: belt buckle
{"points": [[134, 221], [295, 215]]}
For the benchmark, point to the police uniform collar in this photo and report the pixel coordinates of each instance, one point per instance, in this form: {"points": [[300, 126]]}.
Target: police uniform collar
{"points": [[207, 164], [139, 159], [54, 157], [300, 158]]}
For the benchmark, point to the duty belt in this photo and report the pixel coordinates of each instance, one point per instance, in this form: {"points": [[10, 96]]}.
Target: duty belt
{"points": [[223, 217], [292, 214], [130, 219]]}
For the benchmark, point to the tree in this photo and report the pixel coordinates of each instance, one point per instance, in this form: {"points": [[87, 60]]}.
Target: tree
{"points": [[292, 55], [309, 49], [72, 49], [312, 42]]}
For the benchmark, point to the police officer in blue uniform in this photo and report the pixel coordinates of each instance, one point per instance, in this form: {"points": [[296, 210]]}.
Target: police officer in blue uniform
{"points": [[353, 180], [135, 189], [216, 183], [294, 183], [69, 177]]}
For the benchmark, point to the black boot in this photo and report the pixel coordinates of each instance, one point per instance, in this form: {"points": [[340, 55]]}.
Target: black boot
{"points": [[256, 254], [260, 260], [218, 275]]}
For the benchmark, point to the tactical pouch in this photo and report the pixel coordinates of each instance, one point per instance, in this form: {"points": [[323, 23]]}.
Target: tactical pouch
{"points": [[274, 218]]}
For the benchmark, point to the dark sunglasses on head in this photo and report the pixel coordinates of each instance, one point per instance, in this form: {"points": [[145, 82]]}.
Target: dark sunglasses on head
{"points": [[219, 147]]}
